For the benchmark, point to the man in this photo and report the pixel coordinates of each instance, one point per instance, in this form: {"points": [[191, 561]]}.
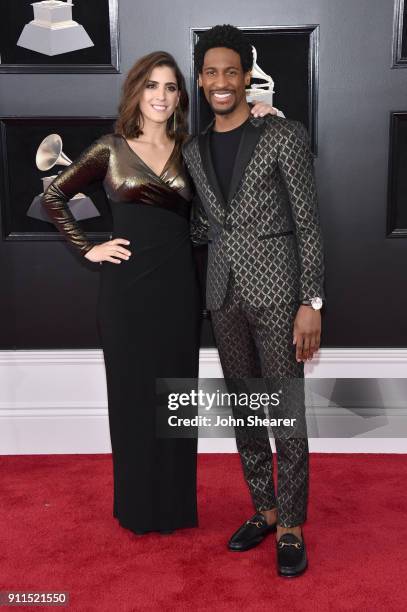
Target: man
{"points": [[258, 211]]}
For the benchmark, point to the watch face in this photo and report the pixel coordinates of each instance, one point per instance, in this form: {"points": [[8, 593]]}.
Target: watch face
{"points": [[316, 303]]}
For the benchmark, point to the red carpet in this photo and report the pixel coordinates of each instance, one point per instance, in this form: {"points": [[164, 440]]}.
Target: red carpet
{"points": [[58, 534]]}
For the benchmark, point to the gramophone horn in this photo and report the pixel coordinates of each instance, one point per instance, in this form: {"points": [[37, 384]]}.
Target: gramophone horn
{"points": [[50, 153]]}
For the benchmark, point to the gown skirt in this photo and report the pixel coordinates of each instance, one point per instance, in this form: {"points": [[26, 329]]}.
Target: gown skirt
{"points": [[148, 319]]}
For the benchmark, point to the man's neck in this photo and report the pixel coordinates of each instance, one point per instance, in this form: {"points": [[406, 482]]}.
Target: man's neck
{"points": [[225, 123]]}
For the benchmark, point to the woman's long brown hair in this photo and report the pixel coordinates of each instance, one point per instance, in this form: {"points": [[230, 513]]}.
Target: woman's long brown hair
{"points": [[130, 121]]}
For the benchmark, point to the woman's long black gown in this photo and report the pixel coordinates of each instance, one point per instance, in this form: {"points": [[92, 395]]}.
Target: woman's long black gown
{"points": [[148, 315]]}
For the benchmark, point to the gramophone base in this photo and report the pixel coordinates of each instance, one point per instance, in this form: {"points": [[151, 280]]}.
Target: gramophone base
{"points": [[81, 208], [54, 41], [261, 95]]}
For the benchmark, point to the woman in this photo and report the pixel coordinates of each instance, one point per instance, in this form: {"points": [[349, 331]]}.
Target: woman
{"points": [[148, 309]]}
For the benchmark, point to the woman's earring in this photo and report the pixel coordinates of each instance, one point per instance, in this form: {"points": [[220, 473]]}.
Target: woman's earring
{"points": [[175, 120]]}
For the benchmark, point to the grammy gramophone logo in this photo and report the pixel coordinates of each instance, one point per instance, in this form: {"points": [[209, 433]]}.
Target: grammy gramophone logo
{"points": [[50, 154], [260, 92]]}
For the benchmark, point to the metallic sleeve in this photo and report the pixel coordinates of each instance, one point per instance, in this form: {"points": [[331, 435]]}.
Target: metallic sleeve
{"points": [[91, 166]]}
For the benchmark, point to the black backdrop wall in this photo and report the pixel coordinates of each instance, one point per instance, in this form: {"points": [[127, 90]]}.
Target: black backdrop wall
{"points": [[48, 296]]}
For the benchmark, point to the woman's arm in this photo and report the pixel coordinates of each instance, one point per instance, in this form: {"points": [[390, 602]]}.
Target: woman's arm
{"points": [[90, 167]]}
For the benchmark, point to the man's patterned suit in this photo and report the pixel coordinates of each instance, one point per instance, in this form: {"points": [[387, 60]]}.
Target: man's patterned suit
{"points": [[264, 258]]}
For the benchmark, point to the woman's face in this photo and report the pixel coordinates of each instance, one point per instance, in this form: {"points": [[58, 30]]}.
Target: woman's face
{"points": [[160, 95]]}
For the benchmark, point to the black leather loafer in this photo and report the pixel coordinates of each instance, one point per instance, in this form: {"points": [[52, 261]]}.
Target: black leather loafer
{"points": [[251, 533], [291, 556]]}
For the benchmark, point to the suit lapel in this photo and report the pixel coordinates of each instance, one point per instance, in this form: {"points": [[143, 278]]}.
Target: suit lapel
{"points": [[250, 138], [205, 151]]}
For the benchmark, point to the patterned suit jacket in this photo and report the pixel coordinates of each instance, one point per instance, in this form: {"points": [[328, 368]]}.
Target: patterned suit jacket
{"points": [[267, 232]]}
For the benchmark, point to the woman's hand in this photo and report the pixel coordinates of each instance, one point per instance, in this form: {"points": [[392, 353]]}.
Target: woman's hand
{"points": [[109, 251], [261, 108]]}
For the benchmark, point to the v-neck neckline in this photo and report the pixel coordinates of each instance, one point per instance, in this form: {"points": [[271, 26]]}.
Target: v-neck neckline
{"points": [[159, 176]]}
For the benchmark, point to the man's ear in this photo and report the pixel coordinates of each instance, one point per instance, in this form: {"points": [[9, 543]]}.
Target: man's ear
{"points": [[200, 80], [248, 77]]}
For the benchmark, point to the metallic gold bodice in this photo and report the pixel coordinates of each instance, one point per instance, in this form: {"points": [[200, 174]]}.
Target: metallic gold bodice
{"points": [[125, 177]]}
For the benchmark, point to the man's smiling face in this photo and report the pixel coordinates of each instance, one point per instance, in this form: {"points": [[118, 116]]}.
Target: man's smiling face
{"points": [[223, 80]]}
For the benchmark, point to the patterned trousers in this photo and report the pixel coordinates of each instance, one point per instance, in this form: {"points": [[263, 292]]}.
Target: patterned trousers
{"points": [[256, 343]]}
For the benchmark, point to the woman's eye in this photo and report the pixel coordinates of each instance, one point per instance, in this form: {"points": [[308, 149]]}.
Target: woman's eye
{"points": [[150, 85], [172, 88]]}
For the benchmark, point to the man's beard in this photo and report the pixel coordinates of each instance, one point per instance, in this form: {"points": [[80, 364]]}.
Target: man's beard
{"points": [[224, 111]]}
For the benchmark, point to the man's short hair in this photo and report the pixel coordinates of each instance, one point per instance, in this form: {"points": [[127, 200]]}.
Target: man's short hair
{"points": [[224, 36]]}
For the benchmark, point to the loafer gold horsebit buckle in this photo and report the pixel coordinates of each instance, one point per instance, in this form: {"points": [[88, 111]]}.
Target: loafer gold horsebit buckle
{"points": [[296, 544], [257, 523]]}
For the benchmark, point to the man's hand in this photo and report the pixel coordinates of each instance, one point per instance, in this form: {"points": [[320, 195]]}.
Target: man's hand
{"points": [[261, 108], [307, 332]]}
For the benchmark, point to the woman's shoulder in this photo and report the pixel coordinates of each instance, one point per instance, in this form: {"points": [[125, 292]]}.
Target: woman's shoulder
{"points": [[108, 139], [107, 143]]}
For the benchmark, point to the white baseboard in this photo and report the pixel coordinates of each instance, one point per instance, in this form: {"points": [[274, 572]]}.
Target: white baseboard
{"points": [[54, 402]]}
